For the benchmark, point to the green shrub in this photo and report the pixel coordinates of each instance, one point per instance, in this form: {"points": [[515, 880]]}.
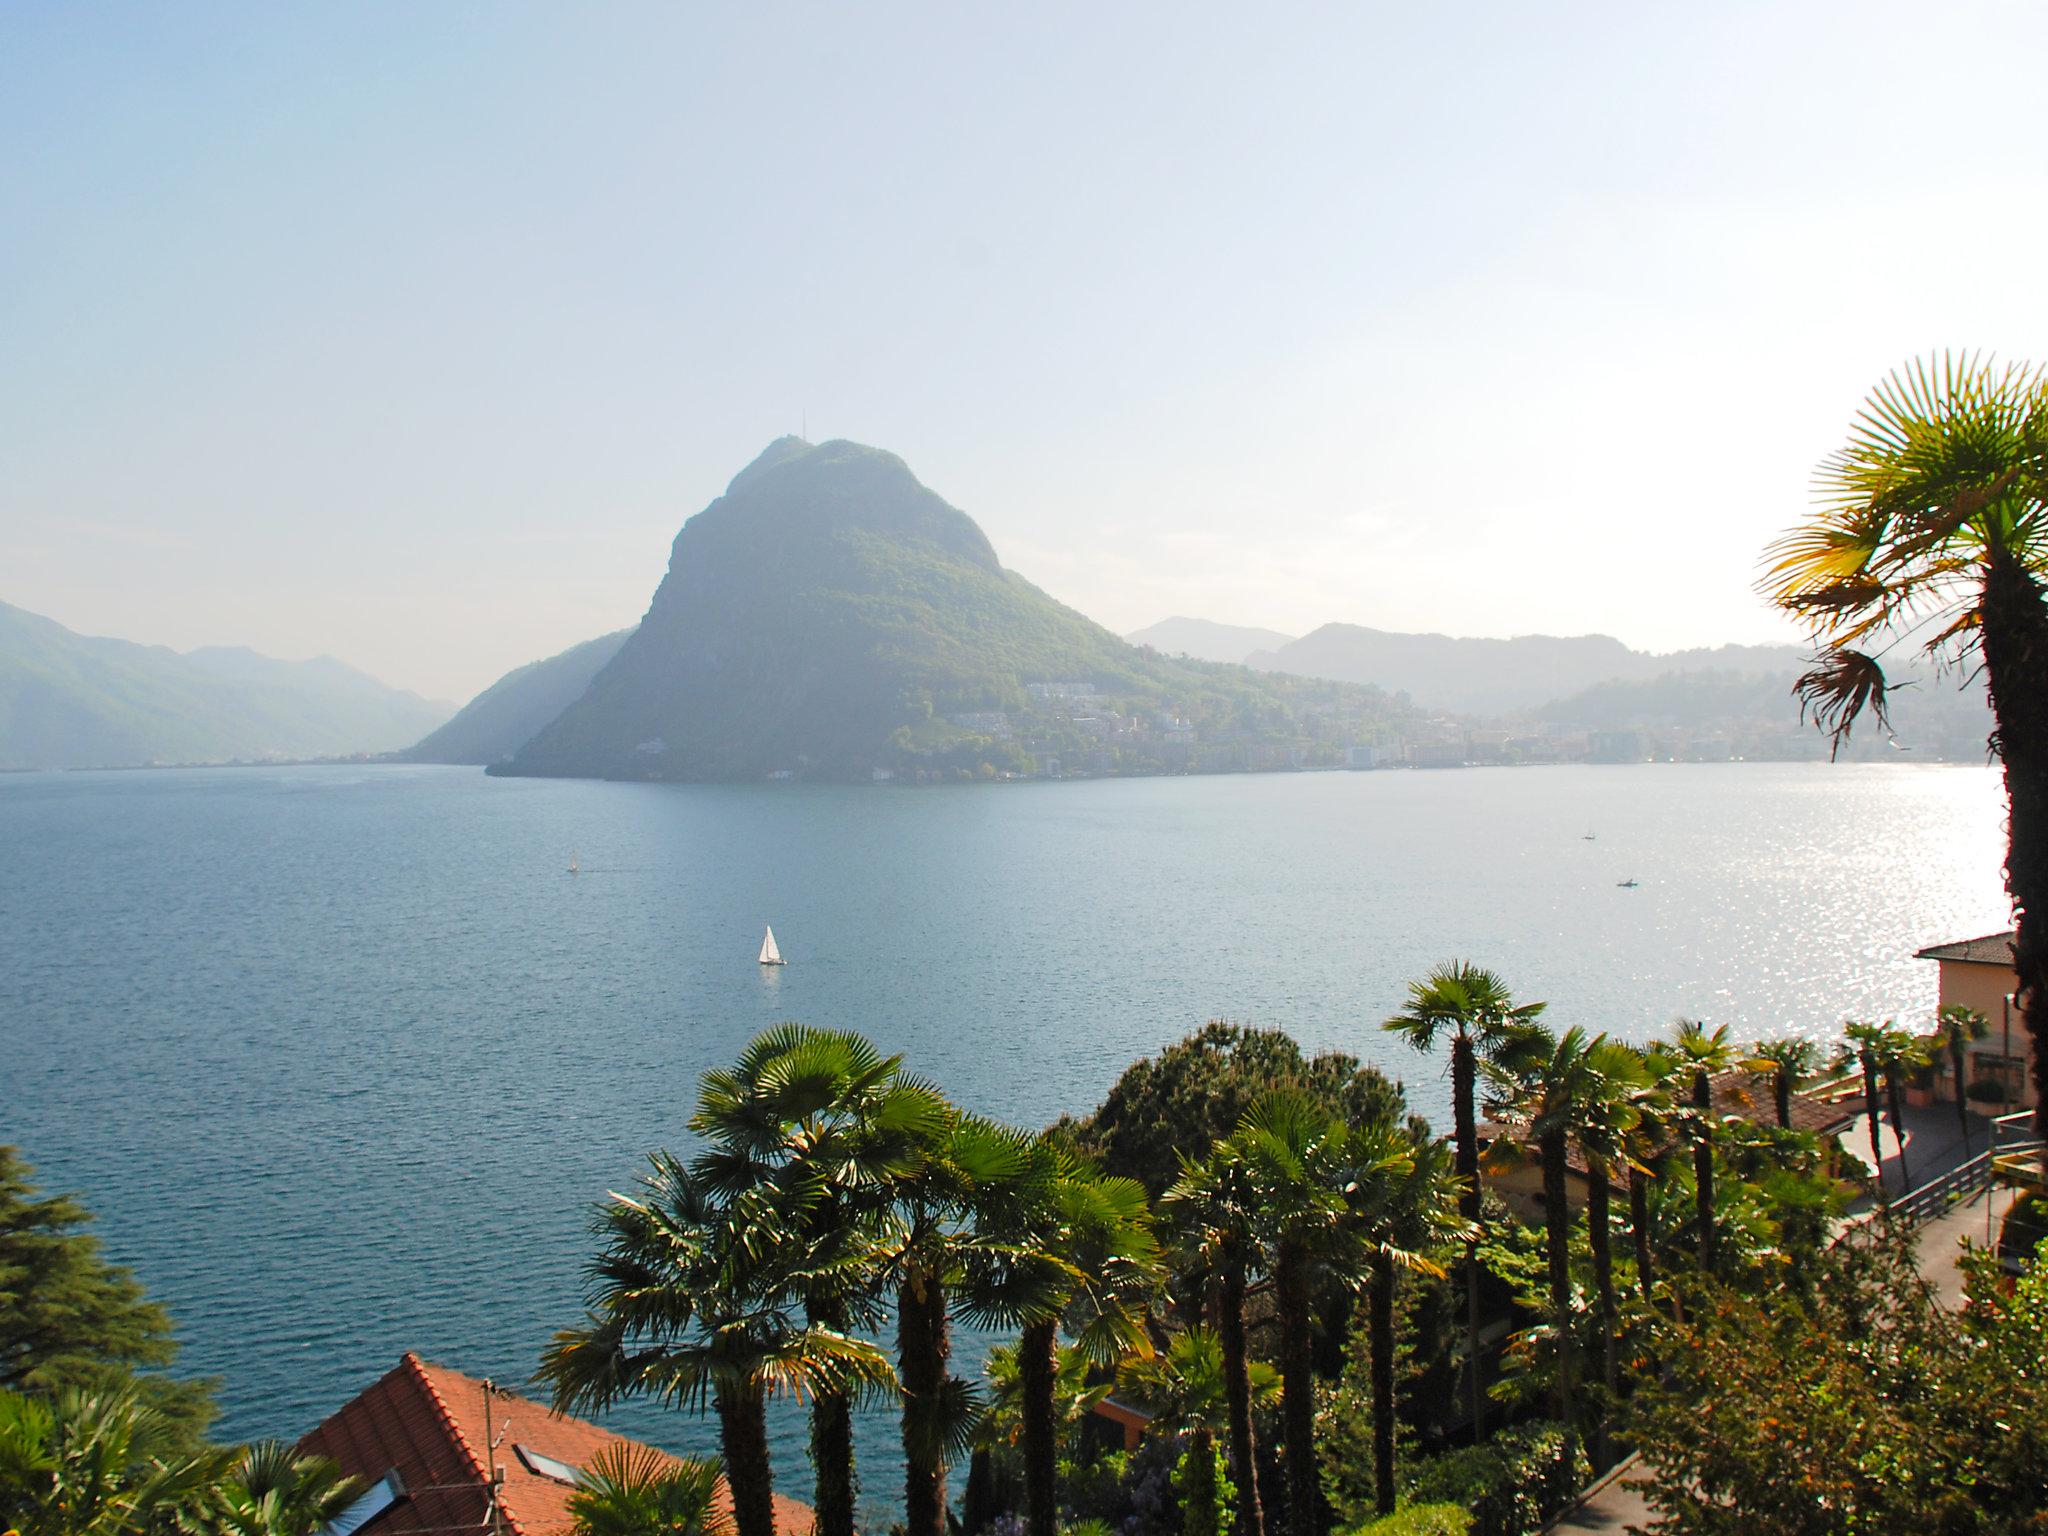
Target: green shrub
{"points": [[1207, 1495], [1420, 1520], [1513, 1483]]}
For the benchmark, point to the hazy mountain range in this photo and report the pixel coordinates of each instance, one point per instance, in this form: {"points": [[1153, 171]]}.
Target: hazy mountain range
{"points": [[74, 701]]}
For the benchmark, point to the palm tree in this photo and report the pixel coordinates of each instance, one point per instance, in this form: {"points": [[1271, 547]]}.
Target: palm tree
{"points": [[1862, 1048], [1183, 1386], [822, 1121], [1213, 1210], [1604, 1113], [94, 1463], [1405, 1203], [1644, 1143], [1474, 1008], [1302, 1162], [272, 1490], [1935, 515], [1900, 1052], [1792, 1063], [689, 1301], [1699, 1054], [1955, 1027], [1099, 1229], [634, 1490], [1544, 1091], [963, 1243]]}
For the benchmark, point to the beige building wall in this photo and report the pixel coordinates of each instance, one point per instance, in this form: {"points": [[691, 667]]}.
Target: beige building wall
{"points": [[1986, 988]]}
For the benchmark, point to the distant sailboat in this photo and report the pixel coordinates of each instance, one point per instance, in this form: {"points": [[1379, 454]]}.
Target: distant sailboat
{"points": [[770, 955], [572, 864], [1629, 884]]}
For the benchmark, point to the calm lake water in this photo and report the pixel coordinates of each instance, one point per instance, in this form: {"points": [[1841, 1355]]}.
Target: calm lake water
{"points": [[343, 1056]]}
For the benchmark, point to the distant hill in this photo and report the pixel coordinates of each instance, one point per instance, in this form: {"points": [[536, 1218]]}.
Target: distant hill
{"points": [[1492, 677], [74, 701], [1207, 641], [829, 616], [505, 716]]}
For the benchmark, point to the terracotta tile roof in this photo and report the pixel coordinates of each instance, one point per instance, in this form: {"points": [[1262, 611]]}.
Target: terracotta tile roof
{"points": [[1754, 1096], [1992, 949], [427, 1423]]}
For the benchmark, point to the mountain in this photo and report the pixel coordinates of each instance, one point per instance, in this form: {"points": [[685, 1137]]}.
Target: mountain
{"points": [[1491, 677], [74, 701], [829, 616], [1206, 640], [504, 717]]}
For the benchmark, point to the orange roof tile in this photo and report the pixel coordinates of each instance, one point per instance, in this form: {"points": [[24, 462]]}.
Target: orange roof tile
{"points": [[427, 1423]]}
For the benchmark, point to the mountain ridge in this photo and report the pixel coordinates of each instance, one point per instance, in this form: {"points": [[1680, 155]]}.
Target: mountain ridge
{"points": [[82, 701]]}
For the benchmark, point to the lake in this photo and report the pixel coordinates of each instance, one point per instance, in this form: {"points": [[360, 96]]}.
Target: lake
{"points": [[342, 1056]]}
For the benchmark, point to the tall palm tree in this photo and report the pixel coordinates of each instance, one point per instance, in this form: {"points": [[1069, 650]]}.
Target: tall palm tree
{"points": [[1604, 1113], [1646, 1142], [690, 1301], [94, 1463], [1899, 1053], [1303, 1163], [272, 1490], [1405, 1203], [1473, 1007], [822, 1122], [1099, 1229], [1934, 517], [1955, 1027], [1792, 1062], [1699, 1054], [963, 1244], [1213, 1211], [1862, 1048], [634, 1490], [1546, 1092]]}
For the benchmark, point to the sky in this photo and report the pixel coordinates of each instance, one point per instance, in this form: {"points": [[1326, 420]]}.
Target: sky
{"points": [[410, 334]]}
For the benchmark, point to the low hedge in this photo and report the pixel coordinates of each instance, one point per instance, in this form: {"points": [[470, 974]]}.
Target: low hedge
{"points": [[1512, 1484], [1420, 1520]]}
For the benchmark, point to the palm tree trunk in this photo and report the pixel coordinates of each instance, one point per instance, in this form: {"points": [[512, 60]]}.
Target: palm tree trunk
{"points": [[922, 1347], [1957, 1060], [1875, 1111], [1639, 1226], [1703, 1166], [832, 1442], [1237, 1393], [1599, 1237], [1037, 1368], [2015, 633], [1557, 1227], [1891, 1092], [1464, 1075], [743, 1437], [1380, 1315], [1784, 1088], [1298, 1392]]}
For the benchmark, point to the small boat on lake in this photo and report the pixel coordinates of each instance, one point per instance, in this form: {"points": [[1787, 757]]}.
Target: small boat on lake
{"points": [[770, 955], [572, 864], [1629, 884]]}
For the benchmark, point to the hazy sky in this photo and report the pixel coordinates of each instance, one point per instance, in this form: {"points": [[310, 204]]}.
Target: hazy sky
{"points": [[411, 333]]}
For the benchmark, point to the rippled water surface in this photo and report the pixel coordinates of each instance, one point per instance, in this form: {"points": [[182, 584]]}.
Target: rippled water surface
{"points": [[342, 1056]]}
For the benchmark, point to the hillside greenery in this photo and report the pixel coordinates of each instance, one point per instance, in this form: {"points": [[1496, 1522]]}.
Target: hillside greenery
{"points": [[504, 717]]}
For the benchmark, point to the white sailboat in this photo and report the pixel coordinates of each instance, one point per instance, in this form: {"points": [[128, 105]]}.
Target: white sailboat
{"points": [[770, 955], [572, 864]]}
